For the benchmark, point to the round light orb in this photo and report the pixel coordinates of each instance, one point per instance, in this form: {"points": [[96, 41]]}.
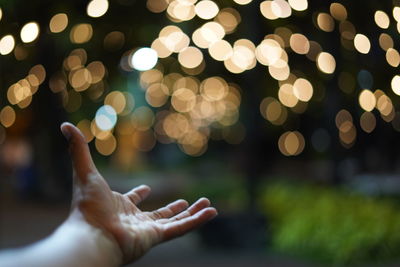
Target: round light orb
{"points": [[144, 59], [106, 118]]}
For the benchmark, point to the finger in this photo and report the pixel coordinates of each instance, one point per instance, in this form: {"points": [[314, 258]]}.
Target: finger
{"points": [[138, 194], [79, 151], [169, 210], [181, 227], [194, 208]]}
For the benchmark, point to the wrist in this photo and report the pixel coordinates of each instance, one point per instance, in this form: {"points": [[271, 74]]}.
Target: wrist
{"points": [[95, 245]]}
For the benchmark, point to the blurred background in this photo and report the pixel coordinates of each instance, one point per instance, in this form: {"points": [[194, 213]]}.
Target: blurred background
{"points": [[283, 113]]}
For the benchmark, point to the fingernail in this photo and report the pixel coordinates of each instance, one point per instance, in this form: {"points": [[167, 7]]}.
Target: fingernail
{"points": [[66, 133]]}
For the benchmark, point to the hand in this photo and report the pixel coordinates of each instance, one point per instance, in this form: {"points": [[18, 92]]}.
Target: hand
{"points": [[133, 231]]}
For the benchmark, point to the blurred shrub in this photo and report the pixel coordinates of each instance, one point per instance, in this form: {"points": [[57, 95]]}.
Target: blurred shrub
{"points": [[331, 225], [226, 191]]}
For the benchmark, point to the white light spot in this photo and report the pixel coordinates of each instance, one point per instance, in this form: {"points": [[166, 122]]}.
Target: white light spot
{"points": [[106, 118], [97, 8], [29, 32], [144, 59], [7, 44]]}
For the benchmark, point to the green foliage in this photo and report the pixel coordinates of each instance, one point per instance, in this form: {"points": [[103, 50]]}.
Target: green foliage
{"points": [[331, 225], [226, 191]]}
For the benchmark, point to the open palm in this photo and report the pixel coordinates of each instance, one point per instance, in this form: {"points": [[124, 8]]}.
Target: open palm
{"points": [[117, 214]]}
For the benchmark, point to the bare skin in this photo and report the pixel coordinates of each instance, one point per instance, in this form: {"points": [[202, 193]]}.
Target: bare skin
{"points": [[123, 231]]}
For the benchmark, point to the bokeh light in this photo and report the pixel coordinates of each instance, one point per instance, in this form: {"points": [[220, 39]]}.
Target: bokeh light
{"points": [[326, 62], [58, 23], [144, 59], [81, 33], [29, 32], [106, 118], [7, 44], [362, 43], [97, 8], [7, 116], [206, 9]]}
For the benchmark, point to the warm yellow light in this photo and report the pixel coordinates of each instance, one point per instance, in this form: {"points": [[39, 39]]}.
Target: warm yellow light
{"points": [[280, 71], [7, 44], [362, 43], [266, 10], [97, 8], [393, 57], [39, 72], [367, 100], [212, 32], [181, 10], [206, 9], [84, 126], [190, 57], [382, 19], [291, 143], [80, 79], [157, 6], [81, 33], [299, 43], [29, 32], [273, 111], [149, 77], [7, 116], [281, 8], [97, 71], [385, 41], [173, 39], [338, 11], [214, 88], [242, 2], [107, 145], [384, 105], [347, 134], [157, 94], [268, 52], [231, 66], [116, 100], [175, 125], [299, 5], [303, 89], [243, 56], [183, 100], [162, 50], [287, 96], [396, 13], [1, 13], [221, 50], [229, 18], [396, 84], [326, 62], [341, 117], [368, 122], [325, 22], [58, 23]]}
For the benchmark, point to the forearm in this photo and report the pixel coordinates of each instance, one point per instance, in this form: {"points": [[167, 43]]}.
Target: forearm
{"points": [[74, 243]]}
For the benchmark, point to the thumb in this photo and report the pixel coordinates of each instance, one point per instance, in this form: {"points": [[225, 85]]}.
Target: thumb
{"points": [[81, 159]]}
